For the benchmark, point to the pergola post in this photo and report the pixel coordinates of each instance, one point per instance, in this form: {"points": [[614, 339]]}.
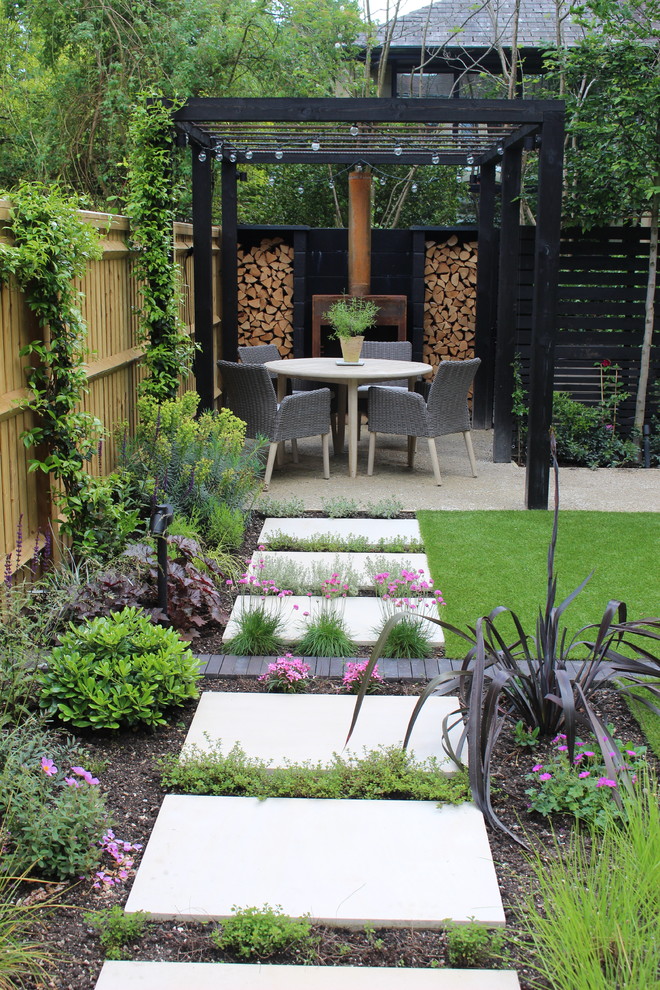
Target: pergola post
{"points": [[486, 290], [202, 192], [544, 309], [229, 261], [507, 298]]}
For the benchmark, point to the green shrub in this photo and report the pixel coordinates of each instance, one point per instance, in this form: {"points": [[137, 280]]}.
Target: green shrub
{"points": [[262, 932], [116, 928], [118, 671], [281, 508], [473, 946], [225, 526], [196, 465], [53, 816], [584, 437]]}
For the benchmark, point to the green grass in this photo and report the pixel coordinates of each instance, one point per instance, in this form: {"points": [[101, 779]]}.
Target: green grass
{"points": [[647, 720], [484, 559]]}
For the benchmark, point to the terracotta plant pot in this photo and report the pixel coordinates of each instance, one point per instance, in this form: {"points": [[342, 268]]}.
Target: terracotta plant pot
{"points": [[351, 348]]}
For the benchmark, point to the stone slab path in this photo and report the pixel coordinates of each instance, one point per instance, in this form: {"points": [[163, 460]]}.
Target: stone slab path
{"points": [[229, 976], [297, 728], [363, 617], [347, 863]]}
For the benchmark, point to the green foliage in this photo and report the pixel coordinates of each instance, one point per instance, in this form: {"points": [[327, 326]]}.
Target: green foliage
{"points": [[352, 543], [52, 827], [600, 901], [259, 933], [281, 508], [326, 636], [473, 946], [386, 508], [169, 348], [117, 929], [584, 436], [52, 247], [382, 774], [258, 634], [301, 579], [340, 507], [118, 671], [351, 317], [580, 787], [642, 707], [22, 956], [198, 465], [408, 638], [525, 737]]}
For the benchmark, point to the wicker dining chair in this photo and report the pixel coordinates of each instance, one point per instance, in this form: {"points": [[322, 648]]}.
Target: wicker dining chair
{"points": [[248, 391], [259, 354], [404, 413], [389, 350]]}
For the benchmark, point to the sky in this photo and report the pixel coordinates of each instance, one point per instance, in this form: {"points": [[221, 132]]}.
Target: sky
{"points": [[379, 8]]}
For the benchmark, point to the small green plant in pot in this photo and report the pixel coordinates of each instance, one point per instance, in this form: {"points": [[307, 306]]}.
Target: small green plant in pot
{"points": [[349, 318]]}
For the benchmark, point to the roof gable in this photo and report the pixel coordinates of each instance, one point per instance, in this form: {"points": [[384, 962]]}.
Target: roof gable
{"points": [[464, 24]]}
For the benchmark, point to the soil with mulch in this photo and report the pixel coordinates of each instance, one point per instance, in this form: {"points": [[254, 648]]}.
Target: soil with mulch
{"points": [[131, 781]]}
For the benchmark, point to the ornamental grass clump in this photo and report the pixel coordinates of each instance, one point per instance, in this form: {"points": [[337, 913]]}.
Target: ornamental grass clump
{"points": [[408, 593], [118, 671], [325, 629], [530, 680], [259, 625]]}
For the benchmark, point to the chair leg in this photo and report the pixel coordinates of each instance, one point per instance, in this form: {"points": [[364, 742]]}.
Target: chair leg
{"points": [[325, 440], [294, 451], [467, 436], [434, 460], [270, 463], [372, 451], [412, 447]]}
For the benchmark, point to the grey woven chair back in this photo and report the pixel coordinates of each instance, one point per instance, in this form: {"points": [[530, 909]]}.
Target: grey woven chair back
{"points": [[447, 405], [258, 354], [389, 350], [248, 391]]}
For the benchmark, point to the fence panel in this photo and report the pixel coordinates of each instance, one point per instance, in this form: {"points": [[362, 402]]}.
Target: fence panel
{"points": [[110, 297]]}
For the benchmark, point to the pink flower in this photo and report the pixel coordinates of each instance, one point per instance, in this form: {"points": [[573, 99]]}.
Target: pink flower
{"points": [[537, 767], [545, 776], [48, 767], [605, 782], [585, 773], [70, 782]]}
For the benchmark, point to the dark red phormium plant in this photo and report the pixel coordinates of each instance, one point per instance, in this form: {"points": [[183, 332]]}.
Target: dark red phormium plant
{"points": [[536, 678]]}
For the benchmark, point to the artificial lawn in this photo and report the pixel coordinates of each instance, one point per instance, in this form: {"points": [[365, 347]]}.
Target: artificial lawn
{"points": [[484, 559]]}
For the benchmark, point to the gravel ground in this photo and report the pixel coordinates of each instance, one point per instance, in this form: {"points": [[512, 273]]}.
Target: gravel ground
{"points": [[498, 486]]}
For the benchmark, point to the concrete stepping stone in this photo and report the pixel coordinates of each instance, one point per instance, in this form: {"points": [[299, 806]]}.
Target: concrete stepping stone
{"points": [[362, 565], [346, 863], [297, 728], [232, 976], [363, 617], [371, 529]]}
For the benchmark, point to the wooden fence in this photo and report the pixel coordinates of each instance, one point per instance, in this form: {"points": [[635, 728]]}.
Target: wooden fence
{"points": [[109, 306]]}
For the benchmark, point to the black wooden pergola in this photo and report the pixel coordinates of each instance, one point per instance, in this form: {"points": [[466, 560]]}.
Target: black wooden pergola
{"points": [[479, 134]]}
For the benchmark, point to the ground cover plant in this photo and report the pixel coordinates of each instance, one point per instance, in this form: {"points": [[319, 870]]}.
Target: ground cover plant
{"points": [[484, 558]]}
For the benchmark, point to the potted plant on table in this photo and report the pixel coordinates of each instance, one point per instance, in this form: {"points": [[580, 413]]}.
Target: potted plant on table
{"points": [[349, 318]]}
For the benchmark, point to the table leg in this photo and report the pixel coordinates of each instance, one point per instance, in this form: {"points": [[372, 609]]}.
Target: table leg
{"points": [[352, 387], [338, 439]]}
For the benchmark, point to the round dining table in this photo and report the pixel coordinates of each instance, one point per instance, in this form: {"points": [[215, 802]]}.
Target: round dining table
{"points": [[349, 376]]}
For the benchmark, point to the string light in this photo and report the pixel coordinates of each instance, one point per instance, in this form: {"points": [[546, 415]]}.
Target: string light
{"points": [[413, 188], [279, 154], [232, 157], [316, 145], [300, 190], [470, 159], [201, 157], [248, 155], [398, 150], [435, 159], [354, 131]]}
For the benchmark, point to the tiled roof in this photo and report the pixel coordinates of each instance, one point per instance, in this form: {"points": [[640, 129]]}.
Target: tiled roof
{"points": [[466, 24]]}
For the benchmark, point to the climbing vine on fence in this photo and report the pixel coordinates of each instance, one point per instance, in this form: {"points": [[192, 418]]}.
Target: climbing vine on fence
{"points": [[150, 207], [52, 246]]}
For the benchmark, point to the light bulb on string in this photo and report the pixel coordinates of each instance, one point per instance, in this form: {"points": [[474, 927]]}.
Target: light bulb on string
{"points": [[470, 159], [435, 159], [398, 150], [248, 155], [201, 157], [300, 190], [279, 154], [413, 188], [331, 184], [354, 131], [382, 180], [232, 157], [316, 145], [271, 180], [358, 167]]}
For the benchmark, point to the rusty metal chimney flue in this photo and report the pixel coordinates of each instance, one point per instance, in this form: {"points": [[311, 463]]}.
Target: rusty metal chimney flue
{"points": [[359, 233]]}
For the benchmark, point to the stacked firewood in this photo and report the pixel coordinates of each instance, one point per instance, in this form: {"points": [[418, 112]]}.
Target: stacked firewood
{"points": [[449, 300], [265, 295]]}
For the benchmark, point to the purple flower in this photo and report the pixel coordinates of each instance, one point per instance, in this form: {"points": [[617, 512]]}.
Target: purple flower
{"points": [[605, 782], [537, 767], [545, 776], [585, 773], [48, 767]]}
